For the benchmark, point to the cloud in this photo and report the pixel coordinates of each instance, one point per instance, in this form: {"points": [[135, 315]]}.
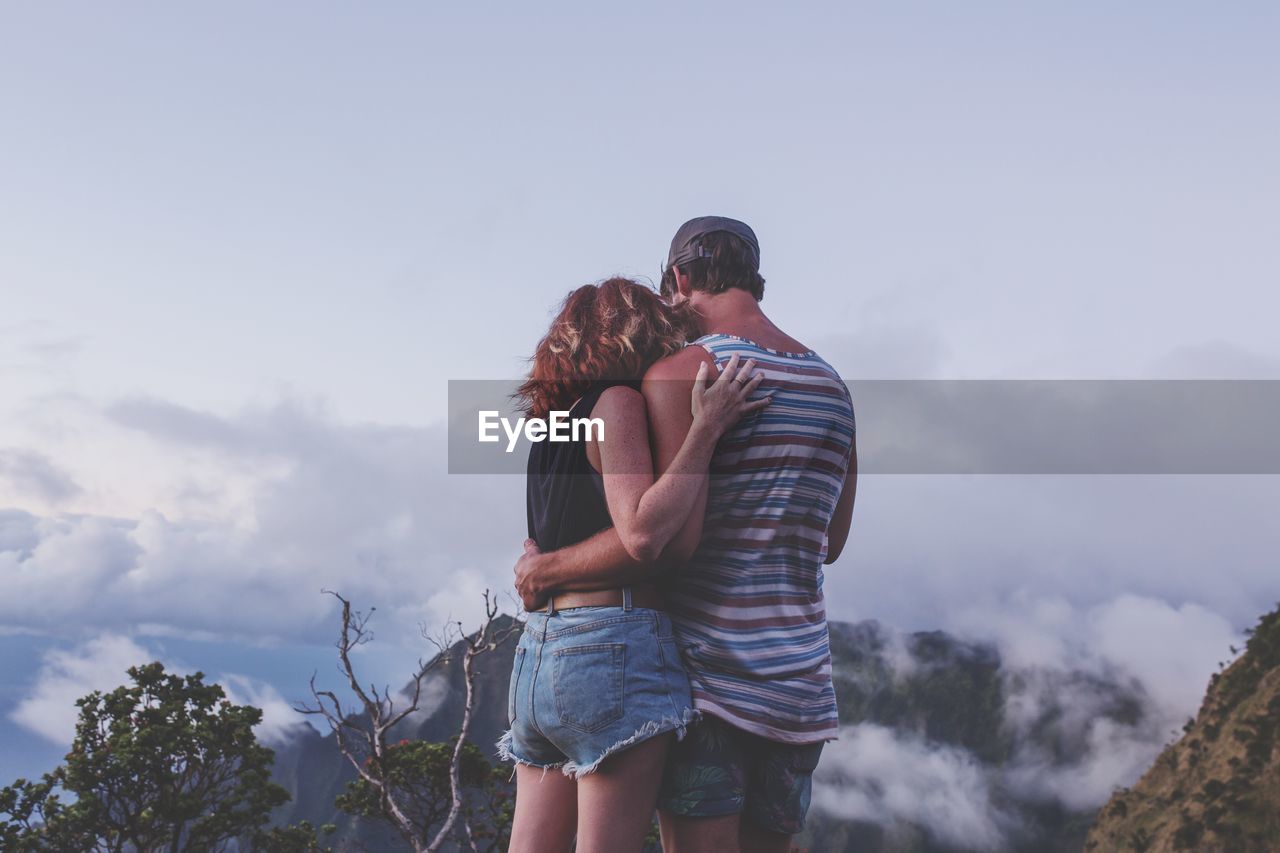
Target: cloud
{"points": [[435, 690], [32, 347], [1091, 695], [1003, 426], [955, 552], [875, 774], [891, 339], [1214, 360], [32, 475], [280, 721], [65, 570], [180, 424], [1092, 708], [1104, 577], [1170, 650], [102, 663], [18, 533], [365, 510]]}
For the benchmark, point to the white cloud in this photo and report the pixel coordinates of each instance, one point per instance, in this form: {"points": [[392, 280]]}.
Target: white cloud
{"points": [[28, 475], [1092, 694], [1170, 650], [280, 721], [435, 690], [367, 511], [937, 552], [1106, 576], [875, 774], [102, 663], [1214, 360], [1131, 654]]}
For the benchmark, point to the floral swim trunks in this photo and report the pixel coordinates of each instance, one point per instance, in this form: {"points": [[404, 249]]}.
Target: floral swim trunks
{"points": [[721, 770]]}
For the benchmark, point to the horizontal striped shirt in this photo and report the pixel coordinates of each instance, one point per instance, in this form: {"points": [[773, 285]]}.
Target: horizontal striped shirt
{"points": [[748, 607]]}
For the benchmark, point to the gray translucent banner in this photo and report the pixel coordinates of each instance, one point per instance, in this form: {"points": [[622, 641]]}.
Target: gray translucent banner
{"points": [[981, 426]]}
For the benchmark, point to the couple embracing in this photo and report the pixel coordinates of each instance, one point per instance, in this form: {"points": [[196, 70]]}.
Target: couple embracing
{"points": [[675, 656]]}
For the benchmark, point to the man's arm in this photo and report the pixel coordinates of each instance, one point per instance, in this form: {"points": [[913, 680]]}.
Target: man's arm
{"points": [[838, 527], [598, 562], [601, 561]]}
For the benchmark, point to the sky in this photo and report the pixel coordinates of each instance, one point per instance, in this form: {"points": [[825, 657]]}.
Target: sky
{"points": [[243, 248]]}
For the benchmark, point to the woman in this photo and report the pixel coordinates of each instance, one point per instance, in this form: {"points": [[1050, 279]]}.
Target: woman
{"points": [[597, 688]]}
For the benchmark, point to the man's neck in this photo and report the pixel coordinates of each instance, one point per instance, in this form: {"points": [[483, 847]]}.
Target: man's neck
{"points": [[733, 312], [736, 312]]}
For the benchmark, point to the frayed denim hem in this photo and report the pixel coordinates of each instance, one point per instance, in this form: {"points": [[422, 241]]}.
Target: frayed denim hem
{"points": [[505, 754], [651, 729]]}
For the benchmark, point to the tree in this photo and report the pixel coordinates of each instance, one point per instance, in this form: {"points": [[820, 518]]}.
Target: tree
{"points": [[419, 774], [167, 763], [429, 793], [297, 838]]}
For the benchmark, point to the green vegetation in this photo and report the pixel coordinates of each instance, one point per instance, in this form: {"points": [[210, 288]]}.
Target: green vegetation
{"points": [[1218, 788], [168, 763], [164, 763], [417, 776]]}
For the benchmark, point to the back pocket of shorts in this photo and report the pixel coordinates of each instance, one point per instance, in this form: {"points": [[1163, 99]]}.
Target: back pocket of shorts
{"points": [[588, 685]]}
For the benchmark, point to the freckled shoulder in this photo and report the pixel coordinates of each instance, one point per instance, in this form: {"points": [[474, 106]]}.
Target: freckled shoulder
{"points": [[620, 403], [624, 417]]}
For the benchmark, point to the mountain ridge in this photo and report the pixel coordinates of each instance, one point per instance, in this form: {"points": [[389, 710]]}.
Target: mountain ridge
{"points": [[1218, 787], [928, 687]]}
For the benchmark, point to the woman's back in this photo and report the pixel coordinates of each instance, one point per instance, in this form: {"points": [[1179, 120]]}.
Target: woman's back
{"points": [[564, 496]]}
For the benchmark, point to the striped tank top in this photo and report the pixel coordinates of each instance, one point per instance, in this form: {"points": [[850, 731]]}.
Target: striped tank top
{"points": [[748, 608]]}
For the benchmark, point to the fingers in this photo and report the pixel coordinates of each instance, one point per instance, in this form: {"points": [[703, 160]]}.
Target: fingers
{"points": [[700, 381], [730, 370], [733, 372], [753, 383], [740, 379], [530, 546]]}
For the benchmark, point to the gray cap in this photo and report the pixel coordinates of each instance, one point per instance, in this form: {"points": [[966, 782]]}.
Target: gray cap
{"points": [[687, 244]]}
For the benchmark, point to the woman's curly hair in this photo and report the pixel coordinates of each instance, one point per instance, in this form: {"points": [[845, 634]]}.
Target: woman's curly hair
{"points": [[611, 330]]}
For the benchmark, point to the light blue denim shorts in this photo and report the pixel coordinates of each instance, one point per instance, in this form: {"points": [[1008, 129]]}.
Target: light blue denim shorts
{"points": [[590, 681]]}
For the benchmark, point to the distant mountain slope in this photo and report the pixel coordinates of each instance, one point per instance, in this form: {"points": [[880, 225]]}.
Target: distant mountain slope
{"points": [[943, 701], [1218, 787], [943, 694]]}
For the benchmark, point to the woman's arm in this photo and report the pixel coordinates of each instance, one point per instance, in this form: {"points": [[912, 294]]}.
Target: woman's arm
{"points": [[602, 561], [598, 562], [649, 514]]}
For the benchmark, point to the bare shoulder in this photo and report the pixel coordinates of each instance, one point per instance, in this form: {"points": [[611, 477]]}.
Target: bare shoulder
{"points": [[619, 402], [679, 365]]}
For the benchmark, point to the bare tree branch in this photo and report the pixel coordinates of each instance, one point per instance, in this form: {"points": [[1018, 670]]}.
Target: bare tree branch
{"points": [[482, 641], [365, 748]]}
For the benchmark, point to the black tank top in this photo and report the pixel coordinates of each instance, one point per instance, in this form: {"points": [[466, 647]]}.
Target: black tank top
{"points": [[564, 494]]}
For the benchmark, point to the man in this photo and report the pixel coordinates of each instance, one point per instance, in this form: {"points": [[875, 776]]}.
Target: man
{"points": [[743, 580]]}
